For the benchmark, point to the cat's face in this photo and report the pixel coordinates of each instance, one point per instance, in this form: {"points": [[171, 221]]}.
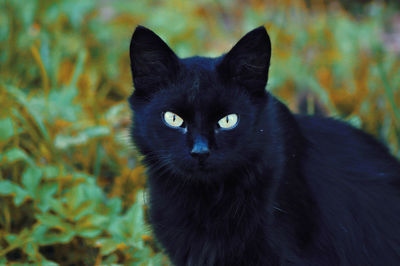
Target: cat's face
{"points": [[198, 117]]}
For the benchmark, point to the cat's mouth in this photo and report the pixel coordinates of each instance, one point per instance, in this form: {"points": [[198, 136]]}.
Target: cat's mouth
{"points": [[198, 167], [202, 167]]}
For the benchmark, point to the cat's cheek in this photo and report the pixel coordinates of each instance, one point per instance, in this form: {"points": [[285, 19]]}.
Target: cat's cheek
{"points": [[169, 139], [230, 138]]}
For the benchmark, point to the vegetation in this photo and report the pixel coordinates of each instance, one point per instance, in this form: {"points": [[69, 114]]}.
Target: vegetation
{"points": [[72, 189]]}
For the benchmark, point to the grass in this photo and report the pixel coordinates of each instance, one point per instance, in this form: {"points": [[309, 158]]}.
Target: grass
{"points": [[72, 189]]}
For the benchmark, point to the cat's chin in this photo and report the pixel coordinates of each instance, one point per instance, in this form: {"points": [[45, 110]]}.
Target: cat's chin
{"points": [[202, 173], [200, 169], [202, 176], [195, 171]]}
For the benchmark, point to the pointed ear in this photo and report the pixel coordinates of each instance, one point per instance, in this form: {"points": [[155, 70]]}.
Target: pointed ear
{"points": [[247, 63], [153, 63]]}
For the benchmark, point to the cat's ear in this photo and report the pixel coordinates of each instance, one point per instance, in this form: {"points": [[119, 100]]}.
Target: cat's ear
{"points": [[153, 63], [247, 63]]}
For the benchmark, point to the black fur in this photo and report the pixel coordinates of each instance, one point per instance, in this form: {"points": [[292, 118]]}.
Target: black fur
{"points": [[279, 189]]}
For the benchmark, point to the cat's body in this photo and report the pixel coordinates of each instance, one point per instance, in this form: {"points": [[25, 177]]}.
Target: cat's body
{"points": [[274, 188]]}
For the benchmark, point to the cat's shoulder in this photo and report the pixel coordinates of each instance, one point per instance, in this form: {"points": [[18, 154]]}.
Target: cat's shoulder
{"points": [[338, 135], [321, 124], [338, 146]]}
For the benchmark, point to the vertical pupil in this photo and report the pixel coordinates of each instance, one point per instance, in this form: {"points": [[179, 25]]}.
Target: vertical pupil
{"points": [[173, 118], [227, 119]]}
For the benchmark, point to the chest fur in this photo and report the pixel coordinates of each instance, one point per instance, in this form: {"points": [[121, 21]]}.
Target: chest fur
{"points": [[207, 226]]}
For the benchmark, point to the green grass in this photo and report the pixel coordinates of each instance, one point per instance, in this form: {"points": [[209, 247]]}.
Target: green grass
{"points": [[72, 189]]}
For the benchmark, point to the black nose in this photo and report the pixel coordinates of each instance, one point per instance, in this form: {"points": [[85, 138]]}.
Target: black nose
{"points": [[200, 148]]}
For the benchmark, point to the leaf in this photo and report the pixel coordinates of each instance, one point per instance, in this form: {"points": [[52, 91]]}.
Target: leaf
{"points": [[83, 209], [114, 112], [6, 187], [17, 240], [111, 260], [355, 121], [59, 207], [65, 141], [20, 196], [45, 196], [6, 129], [97, 131], [80, 63], [107, 246], [53, 229], [50, 220], [30, 249], [51, 171], [74, 198], [21, 98], [31, 179], [96, 220], [60, 105], [89, 232], [50, 238], [130, 227], [17, 154], [9, 188], [115, 206]]}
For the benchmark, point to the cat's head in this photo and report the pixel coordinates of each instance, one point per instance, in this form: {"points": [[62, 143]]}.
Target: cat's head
{"points": [[199, 117]]}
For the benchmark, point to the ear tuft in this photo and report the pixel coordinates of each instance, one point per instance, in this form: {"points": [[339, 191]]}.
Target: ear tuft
{"points": [[247, 63], [153, 63]]}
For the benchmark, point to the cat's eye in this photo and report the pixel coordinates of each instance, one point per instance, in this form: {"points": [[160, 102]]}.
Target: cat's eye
{"points": [[228, 122], [172, 119]]}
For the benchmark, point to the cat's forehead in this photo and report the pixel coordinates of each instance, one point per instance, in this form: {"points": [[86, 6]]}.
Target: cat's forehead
{"points": [[199, 81], [199, 73], [200, 62], [199, 89], [206, 99]]}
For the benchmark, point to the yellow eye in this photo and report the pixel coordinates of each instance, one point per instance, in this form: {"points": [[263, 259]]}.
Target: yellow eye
{"points": [[229, 121], [172, 119]]}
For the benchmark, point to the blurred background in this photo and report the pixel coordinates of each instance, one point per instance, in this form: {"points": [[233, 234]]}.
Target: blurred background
{"points": [[71, 185]]}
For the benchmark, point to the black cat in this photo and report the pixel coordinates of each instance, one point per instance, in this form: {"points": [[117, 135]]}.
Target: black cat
{"points": [[236, 179]]}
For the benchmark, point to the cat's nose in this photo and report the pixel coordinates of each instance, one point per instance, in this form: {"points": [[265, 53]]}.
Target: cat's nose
{"points": [[200, 148]]}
